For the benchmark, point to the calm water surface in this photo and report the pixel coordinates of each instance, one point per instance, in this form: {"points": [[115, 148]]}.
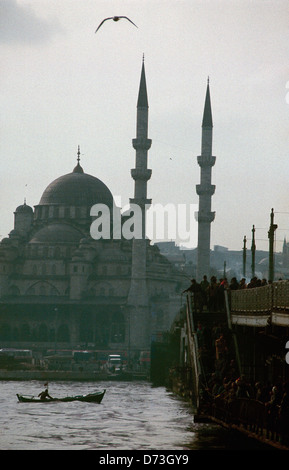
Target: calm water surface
{"points": [[132, 416]]}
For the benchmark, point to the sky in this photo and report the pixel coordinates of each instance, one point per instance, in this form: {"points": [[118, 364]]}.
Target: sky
{"points": [[62, 86]]}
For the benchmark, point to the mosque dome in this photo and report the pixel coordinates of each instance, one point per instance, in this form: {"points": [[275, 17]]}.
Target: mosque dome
{"points": [[14, 233], [57, 232], [77, 189], [24, 209]]}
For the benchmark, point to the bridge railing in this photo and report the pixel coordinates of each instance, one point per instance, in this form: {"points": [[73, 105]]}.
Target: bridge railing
{"points": [[280, 295], [263, 299], [254, 416], [193, 350]]}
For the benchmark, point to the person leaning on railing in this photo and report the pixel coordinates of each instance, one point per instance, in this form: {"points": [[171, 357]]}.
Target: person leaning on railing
{"points": [[284, 416], [195, 290]]}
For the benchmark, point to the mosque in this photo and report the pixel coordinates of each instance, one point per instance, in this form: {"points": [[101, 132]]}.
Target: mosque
{"points": [[61, 288]]}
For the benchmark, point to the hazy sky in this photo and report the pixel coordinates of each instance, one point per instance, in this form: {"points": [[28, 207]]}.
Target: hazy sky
{"points": [[62, 86]]}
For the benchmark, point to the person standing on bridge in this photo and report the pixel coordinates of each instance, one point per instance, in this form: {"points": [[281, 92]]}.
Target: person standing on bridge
{"points": [[213, 295], [221, 348], [204, 284], [195, 290]]}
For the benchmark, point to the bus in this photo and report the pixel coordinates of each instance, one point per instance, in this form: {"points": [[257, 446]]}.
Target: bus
{"points": [[23, 354]]}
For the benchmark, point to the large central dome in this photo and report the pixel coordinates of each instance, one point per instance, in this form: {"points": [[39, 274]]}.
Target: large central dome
{"points": [[77, 189]]}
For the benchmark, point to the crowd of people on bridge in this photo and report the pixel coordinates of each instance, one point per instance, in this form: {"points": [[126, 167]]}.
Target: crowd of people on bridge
{"points": [[274, 397], [221, 379], [209, 295]]}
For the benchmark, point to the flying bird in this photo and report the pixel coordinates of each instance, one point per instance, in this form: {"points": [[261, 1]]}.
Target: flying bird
{"points": [[115, 18]]}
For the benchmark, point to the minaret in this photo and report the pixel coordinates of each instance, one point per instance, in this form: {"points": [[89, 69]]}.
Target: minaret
{"points": [[138, 296], [205, 191], [141, 144]]}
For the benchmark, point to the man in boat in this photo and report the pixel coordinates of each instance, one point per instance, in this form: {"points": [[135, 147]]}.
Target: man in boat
{"points": [[44, 395]]}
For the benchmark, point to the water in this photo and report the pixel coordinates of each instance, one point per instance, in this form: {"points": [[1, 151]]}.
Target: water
{"points": [[132, 416]]}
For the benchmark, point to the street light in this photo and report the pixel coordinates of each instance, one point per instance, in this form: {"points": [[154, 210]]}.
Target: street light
{"points": [[55, 327], [271, 232]]}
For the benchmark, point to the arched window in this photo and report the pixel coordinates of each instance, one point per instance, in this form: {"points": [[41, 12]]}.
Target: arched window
{"points": [[25, 332], [104, 270], [5, 332], [117, 330], [35, 251], [13, 291], [42, 290], [92, 292], [63, 334], [53, 291], [42, 333], [15, 334], [86, 329], [30, 291]]}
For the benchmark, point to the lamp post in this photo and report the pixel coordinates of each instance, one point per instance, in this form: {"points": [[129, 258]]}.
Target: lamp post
{"points": [[253, 250], [128, 352], [55, 333], [127, 331], [244, 256], [271, 232]]}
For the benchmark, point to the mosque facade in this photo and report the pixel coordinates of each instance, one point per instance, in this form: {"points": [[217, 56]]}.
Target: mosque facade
{"points": [[62, 288]]}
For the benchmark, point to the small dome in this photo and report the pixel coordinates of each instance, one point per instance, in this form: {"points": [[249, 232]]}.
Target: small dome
{"points": [[24, 209], [57, 233], [14, 233]]}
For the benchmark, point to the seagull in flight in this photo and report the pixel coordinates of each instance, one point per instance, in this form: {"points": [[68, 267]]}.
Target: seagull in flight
{"points": [[115, 18]]}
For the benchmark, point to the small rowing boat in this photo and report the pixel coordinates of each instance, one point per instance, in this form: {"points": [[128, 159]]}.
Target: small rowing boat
{"points": [[91, 398]]}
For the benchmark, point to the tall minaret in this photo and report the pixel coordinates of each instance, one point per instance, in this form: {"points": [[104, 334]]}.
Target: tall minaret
{"points": [[138, 296], [205, 190], [141, 174]]}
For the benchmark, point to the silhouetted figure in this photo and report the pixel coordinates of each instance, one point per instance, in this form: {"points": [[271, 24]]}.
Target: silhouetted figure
{"points": [[44, 395], [213, 295], [195, 290]]}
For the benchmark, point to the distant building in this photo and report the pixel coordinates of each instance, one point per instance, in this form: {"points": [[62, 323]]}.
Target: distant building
{"points": [[225, 262], [173, 253]]}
